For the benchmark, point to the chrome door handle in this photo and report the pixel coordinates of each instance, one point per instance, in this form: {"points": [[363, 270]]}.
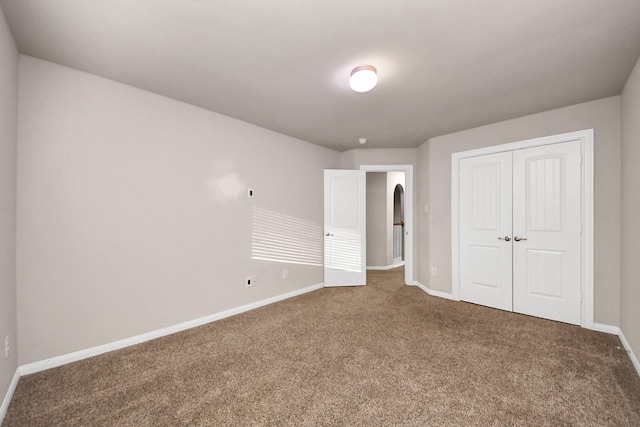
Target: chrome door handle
{"points": [[505, 238], [328, 234], [517, 239]]}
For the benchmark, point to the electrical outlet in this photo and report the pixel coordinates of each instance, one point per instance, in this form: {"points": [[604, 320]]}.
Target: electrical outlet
{"points": [[285, 274], [6, 347], [251, 281], [434, 271], [250, 193]]}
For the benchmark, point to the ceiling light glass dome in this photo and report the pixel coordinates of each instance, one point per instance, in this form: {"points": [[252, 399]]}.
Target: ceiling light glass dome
{"points": [[363, 78]]}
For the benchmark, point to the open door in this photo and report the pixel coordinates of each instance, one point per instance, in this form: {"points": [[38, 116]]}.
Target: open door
{"points": [[345, 228]]}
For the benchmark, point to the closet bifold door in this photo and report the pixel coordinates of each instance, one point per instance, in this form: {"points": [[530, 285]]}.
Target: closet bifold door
{"points": [[485, 230], [547, 231]]}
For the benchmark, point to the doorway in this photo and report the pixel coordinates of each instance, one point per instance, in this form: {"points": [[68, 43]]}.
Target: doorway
{"points": [[407, 229], [385, 214]]}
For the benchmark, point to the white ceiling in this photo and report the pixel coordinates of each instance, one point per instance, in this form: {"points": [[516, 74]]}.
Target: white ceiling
{"points": [[443, 65]]}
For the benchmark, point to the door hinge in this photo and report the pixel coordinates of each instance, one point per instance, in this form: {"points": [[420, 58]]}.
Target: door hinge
{"points": [[580, 296]]}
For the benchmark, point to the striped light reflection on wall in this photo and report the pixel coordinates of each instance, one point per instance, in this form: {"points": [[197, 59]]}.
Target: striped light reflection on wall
{"points": [[283, 238]]}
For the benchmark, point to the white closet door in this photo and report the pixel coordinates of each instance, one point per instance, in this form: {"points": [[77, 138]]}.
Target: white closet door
{"points": [[485, 230], [547, 231]]}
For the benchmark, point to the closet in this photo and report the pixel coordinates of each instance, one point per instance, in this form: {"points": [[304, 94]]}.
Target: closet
{"points": [[520, 230]]}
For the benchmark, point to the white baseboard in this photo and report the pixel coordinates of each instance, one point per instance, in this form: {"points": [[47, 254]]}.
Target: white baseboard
{"points": [[607, 329], [9, 395], [385, 267], [614, 330], [94, 351], [632, 356], [54, 362], [600, 327], [439, 294]]}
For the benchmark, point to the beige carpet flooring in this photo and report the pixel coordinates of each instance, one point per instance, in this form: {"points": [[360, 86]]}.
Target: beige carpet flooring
{"points": [[384, 354]]}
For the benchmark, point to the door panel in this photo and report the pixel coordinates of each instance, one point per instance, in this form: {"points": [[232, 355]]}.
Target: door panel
{"points": [[344, 228], [485, 216], [546, 212]]}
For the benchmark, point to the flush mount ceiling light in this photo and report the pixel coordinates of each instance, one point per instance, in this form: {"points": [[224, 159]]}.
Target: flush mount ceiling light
{"points": [[362, 141], [363, 78]]}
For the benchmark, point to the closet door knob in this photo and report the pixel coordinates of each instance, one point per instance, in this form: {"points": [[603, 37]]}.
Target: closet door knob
{"points": [[505, 238], [517, 239]]}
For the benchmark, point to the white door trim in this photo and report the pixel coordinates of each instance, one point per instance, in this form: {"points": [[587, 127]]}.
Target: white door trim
{"points": [[586, 139], [408, 212]]}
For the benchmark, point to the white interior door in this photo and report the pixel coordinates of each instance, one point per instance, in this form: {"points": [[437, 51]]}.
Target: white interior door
{"points": [[520, 231], [547, 231], [345, 228], [485, 230]]}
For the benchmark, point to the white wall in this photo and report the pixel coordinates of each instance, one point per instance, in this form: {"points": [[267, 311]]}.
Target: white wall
{"points": [[630, 291], [133, 214], [8, 138], [603, 116]]}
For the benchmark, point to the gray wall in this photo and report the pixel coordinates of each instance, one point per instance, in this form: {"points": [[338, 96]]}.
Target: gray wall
{"points": [[142, 209], [393, 179], [604, 116], [133, 213], [422, 217], [630, 292], [376, 219], [8, 139], [355, 158]]}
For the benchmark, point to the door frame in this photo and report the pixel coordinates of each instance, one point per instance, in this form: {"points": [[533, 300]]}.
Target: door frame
{"points": [[408, 213], [586, 138]]}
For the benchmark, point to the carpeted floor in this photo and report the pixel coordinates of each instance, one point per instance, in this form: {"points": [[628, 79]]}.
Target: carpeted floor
{"points": [[384, 354]]}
